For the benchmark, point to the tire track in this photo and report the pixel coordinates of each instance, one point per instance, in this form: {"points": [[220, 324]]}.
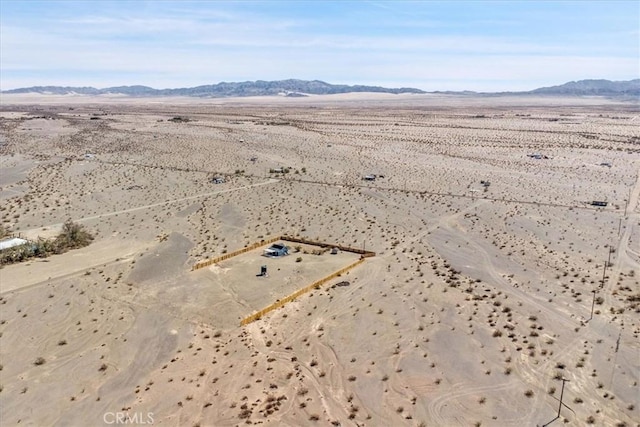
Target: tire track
{"points": [[154, 205]]}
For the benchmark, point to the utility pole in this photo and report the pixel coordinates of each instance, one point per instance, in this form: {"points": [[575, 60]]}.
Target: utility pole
{"points": [[604, 274], [593, 304], [560, 406], [561, 394], [615, 359]]}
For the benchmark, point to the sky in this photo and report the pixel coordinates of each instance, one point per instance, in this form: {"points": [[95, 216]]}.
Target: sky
{"points": [[430, 45]]}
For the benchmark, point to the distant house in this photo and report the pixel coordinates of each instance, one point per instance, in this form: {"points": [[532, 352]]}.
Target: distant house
{"points": [[276, 250], [279, 170], [12, 243]]}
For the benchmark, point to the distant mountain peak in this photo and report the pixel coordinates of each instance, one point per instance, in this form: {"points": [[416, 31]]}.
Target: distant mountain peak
{"points": [[593, 87]]}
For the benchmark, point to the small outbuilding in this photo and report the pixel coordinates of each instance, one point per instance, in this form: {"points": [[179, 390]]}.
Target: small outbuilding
{"points": [[538, 156], [12, 243]]}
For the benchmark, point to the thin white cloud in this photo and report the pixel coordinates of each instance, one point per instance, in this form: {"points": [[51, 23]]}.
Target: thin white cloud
{"points": [[180, 47]]}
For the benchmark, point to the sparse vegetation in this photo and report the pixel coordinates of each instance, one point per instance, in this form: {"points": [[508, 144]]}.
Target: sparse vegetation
{"points": [[73, 236], [465, 286]]}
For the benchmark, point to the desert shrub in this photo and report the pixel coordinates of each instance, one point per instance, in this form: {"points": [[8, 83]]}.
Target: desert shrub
{"points": [[73, 236]]}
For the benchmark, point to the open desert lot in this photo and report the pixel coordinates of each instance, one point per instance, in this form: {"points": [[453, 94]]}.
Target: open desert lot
{"points": [[497, 286]]}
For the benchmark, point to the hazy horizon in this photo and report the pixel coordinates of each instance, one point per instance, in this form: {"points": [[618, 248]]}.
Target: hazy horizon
{"points": [[216, 83], [433, 46]]}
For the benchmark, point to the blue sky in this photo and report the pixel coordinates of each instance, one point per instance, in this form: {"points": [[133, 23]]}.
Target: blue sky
{"points": [[455, 45]]}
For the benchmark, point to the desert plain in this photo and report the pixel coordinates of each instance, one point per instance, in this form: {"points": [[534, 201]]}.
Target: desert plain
{"points": [[496, 290]]}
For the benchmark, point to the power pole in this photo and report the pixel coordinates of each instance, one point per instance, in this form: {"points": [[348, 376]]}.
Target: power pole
{"points": [[619, 226], [604, 275], [593, 304], [561, 394], [615, 359], [560, 406]]}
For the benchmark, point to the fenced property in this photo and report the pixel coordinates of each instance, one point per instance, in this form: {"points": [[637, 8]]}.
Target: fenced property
{"points": [[239, 280]]}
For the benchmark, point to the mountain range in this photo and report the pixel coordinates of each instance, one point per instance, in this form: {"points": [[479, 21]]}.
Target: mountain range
{"points": [[294, 87], [593, 87], [291, 87]]}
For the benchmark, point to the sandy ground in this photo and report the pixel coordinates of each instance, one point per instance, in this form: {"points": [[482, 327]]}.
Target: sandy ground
{"points": [[477, 303]]}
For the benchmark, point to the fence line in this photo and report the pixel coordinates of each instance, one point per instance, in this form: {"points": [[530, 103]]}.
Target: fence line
{"points": [[206, 263], [291, 297], [362, 252]]}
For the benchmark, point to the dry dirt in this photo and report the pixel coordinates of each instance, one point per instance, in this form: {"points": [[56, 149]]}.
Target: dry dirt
{"points": [[476, 306]]}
